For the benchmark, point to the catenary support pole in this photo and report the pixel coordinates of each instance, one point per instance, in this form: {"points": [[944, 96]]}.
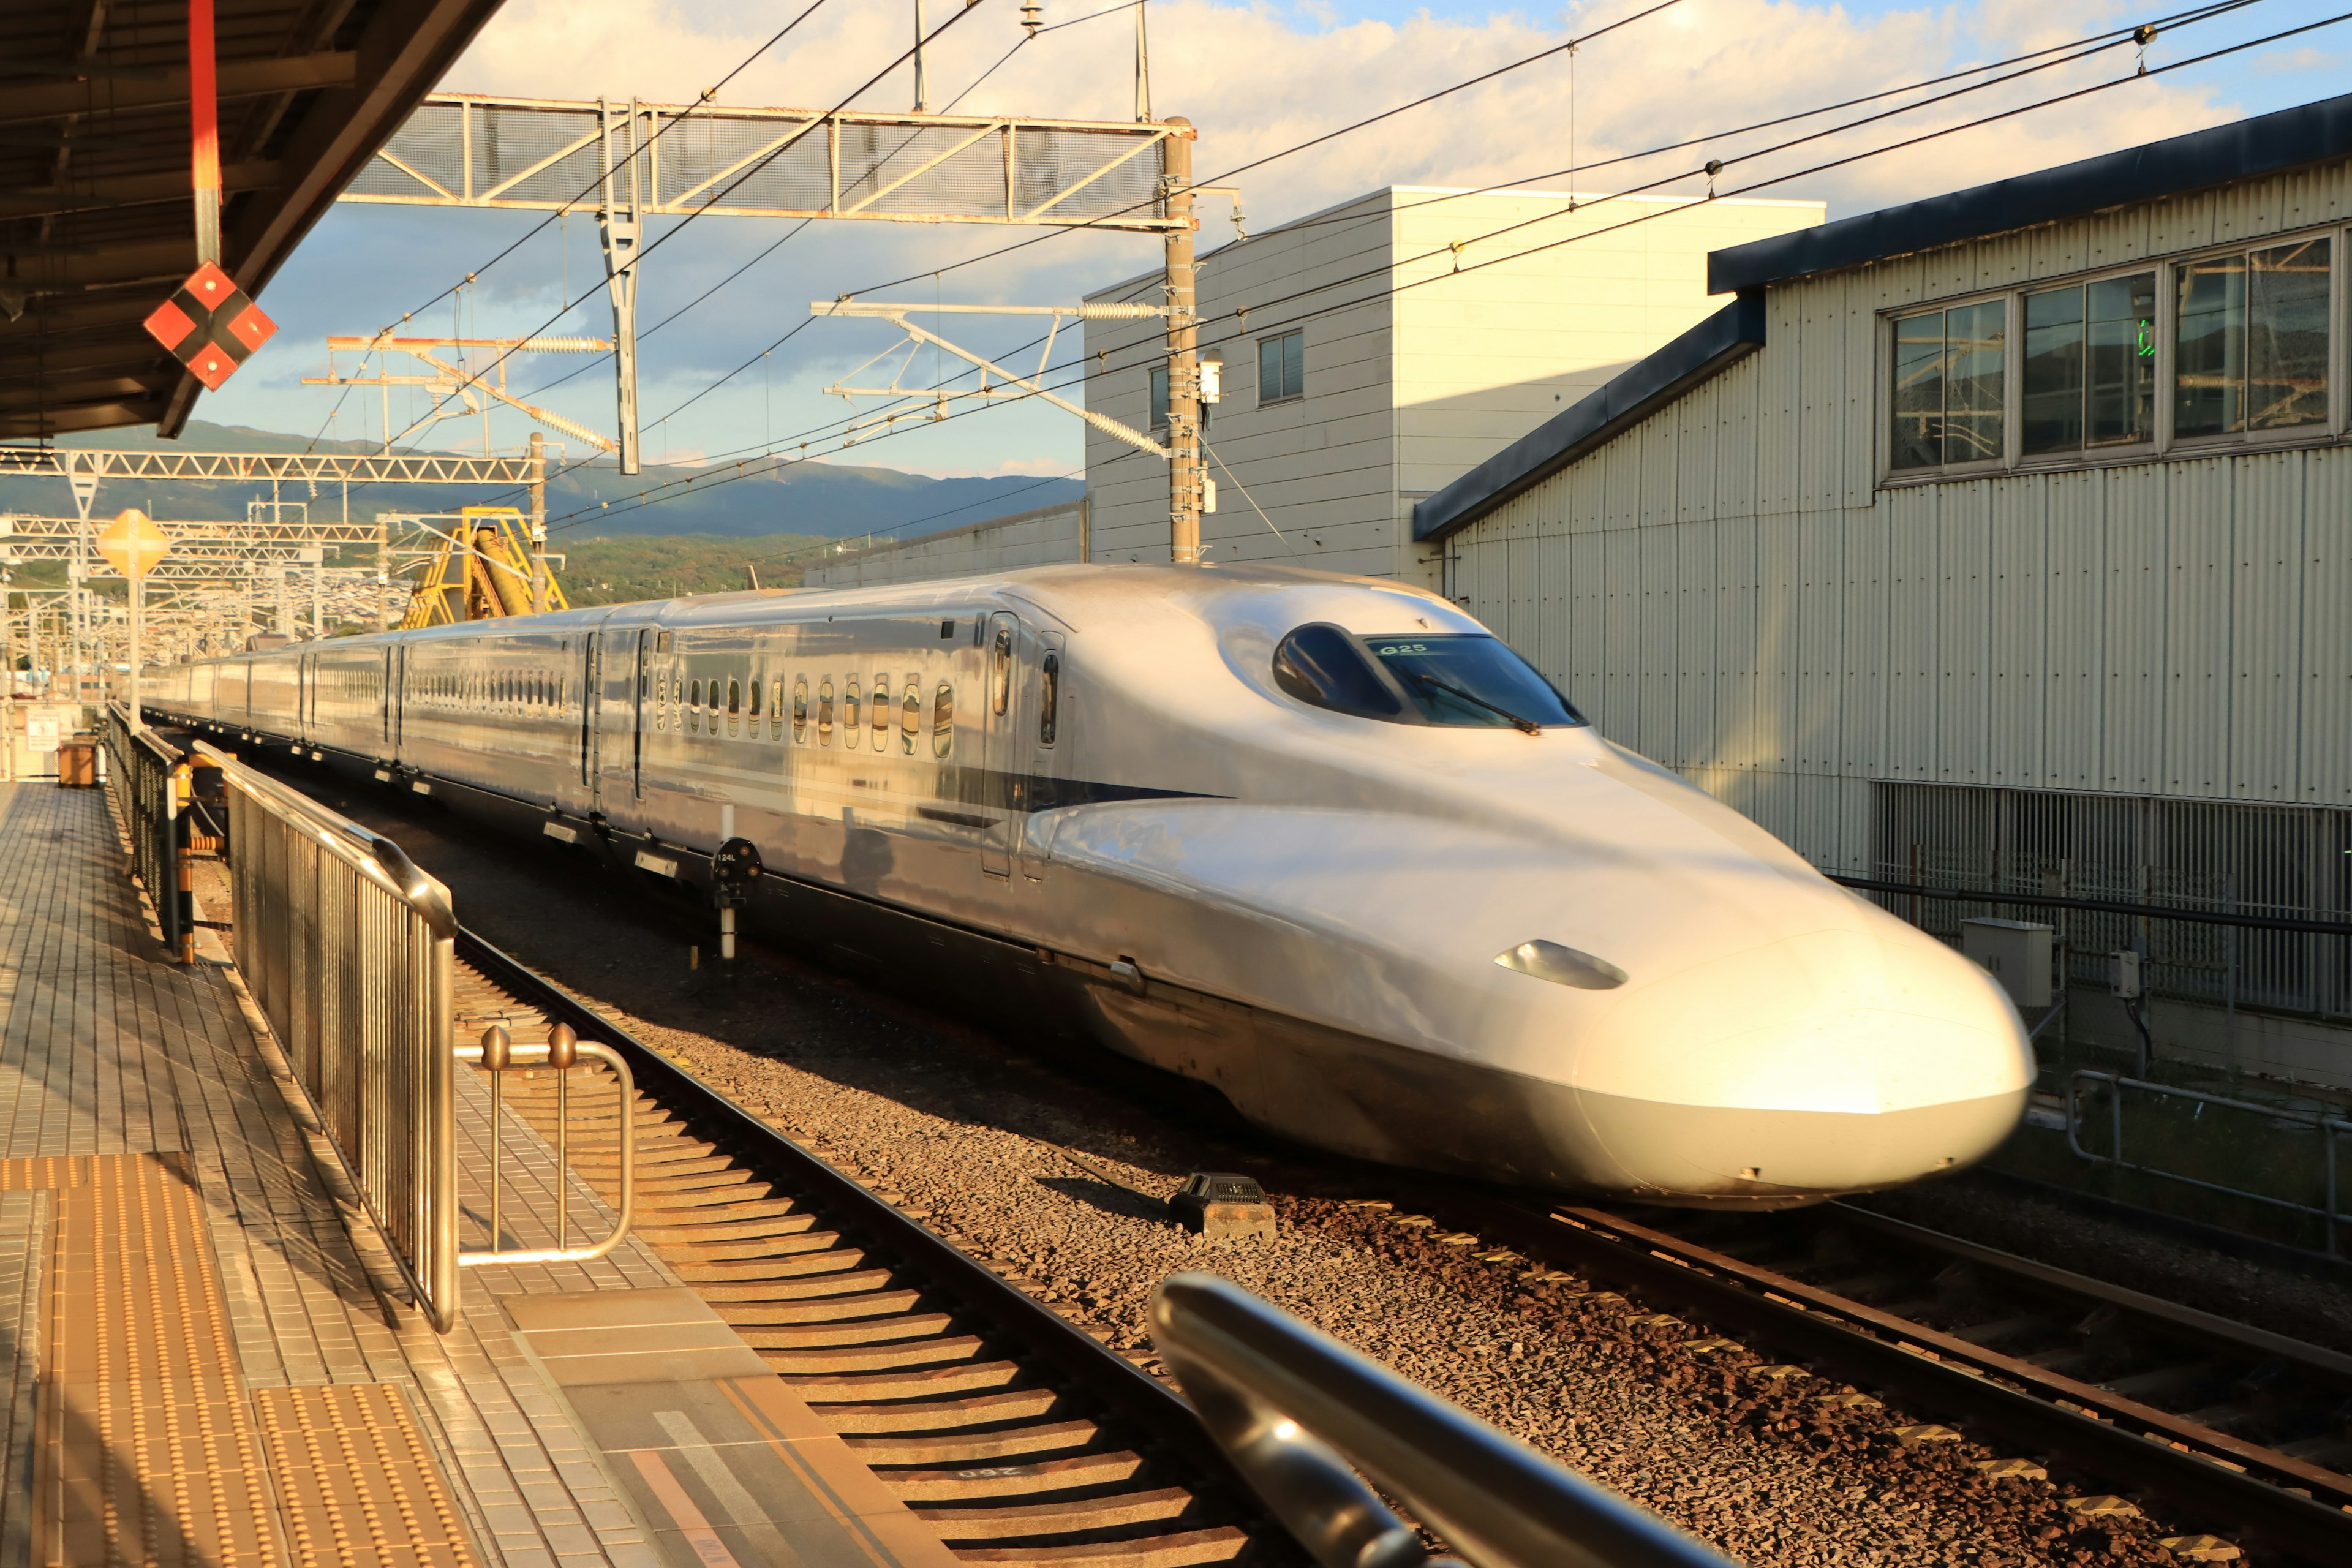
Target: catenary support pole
{"points": [[538, 523], [1184, 366], [619, 227]]}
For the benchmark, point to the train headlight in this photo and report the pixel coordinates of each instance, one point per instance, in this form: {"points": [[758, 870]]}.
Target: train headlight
{"points": [[1562, 965]]}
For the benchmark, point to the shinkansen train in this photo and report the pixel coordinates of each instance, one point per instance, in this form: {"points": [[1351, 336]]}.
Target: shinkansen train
{"points": [[1321, 842]]}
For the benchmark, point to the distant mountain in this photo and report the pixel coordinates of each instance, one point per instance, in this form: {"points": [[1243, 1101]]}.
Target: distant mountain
{"points": [[828, 499]]}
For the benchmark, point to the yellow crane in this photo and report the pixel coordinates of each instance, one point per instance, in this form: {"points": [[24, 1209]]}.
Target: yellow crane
{"points": [[481, 570]]}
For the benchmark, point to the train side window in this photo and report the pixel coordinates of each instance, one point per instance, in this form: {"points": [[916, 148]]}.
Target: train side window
{"points": [[754, 709], [824, 711], [734, 696], [881, 706], [911, 714], [944, 720], [800, 709], [694, 708], [849, 713], [1000, 672], [1049, 697]]}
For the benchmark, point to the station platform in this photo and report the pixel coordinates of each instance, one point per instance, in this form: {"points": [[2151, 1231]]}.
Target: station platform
{"points": [[208, 1358]]}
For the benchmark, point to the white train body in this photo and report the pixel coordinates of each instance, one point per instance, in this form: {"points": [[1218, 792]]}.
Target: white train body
{"points": [[1102, 805]]}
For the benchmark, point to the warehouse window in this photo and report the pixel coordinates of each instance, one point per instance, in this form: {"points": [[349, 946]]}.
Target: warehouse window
{"points": [[2089, 365], [1950, 366], [2233, 346], [2251, 341], [1160, 397], [1282, 367]]}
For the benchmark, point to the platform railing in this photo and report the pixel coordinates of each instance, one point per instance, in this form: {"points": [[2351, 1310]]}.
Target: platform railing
{"points": [[1308, 1421], [2085, 1087], [150, 785], [348, 950]]}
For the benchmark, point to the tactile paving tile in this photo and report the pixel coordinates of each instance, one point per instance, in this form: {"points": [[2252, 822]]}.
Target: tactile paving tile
{"points": [[359, 1485], [146, 1451]]}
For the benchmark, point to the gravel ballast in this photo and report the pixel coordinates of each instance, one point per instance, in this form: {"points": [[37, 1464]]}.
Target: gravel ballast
{"points": [[1770, 1466]]}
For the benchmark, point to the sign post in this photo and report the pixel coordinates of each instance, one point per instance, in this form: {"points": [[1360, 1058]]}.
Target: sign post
{"points": [[133, 544]]}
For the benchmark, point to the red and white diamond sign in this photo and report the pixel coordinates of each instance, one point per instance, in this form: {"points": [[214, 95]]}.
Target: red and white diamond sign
{"points": [[211, 324]]}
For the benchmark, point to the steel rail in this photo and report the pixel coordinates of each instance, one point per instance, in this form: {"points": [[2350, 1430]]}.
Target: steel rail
{"points": [[2103, 1434]]}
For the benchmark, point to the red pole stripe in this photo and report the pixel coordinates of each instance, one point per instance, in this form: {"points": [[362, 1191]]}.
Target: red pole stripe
{"points": [[203, 97]]}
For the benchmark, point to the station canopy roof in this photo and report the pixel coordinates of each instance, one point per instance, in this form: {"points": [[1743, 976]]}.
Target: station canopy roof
{"points": [[97, 222]]}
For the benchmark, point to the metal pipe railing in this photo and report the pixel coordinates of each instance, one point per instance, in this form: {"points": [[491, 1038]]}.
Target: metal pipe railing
{"points": [[497, 1055], [348, 950], [151, 786], [2330, 1211], [1301, 1415]]}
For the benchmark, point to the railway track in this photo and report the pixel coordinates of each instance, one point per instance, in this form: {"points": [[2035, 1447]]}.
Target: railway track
{"points": [[885, 1325], [1006, 1429], [2231, 1425]]}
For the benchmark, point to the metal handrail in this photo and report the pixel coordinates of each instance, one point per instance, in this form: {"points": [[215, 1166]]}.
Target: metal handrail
{"points": [[349, 952], [150, 785], [2329, 1128], [1295, 1410], [496, 1055]]}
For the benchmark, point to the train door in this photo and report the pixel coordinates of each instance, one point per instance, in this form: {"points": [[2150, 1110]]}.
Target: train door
{"points": [[591, 694], [1003, 756], [1037, 742], [620, 687]]}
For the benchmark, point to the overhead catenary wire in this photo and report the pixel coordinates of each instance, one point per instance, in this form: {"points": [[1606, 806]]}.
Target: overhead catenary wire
{"points": [[2084, 48], [2106, 38], [1775, 179], [746, 172], [789, 235], [707, 95]]}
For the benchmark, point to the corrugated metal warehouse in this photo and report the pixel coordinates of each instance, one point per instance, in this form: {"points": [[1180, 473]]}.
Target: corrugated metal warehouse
{"points": [[2002, 540]]}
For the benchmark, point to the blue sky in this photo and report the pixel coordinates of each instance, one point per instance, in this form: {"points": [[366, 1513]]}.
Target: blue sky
{"points": [[1253, 78]]}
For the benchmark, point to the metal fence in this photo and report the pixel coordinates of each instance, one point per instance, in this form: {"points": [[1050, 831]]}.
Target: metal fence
{"points": [[2268, 1151], [152, 790], [348, 950], [1301, 1414], [2233, 858]]}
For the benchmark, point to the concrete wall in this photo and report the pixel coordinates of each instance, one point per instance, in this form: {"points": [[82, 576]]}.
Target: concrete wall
{"points": [[1047, 536], [1414, 370]]}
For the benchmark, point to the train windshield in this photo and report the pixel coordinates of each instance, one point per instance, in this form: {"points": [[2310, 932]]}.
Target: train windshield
{"points": [[1450, 679], [1470, 680]]}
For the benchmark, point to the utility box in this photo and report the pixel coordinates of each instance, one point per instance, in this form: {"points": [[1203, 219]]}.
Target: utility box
{"points": [[2016, 954]]}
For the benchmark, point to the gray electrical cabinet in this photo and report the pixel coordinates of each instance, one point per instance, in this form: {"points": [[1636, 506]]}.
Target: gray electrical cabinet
{"points": [[2016, 954]]}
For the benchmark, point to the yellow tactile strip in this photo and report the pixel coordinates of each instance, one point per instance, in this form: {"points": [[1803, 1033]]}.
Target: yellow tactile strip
{"points": [[359, 1483], [145, 1448]]}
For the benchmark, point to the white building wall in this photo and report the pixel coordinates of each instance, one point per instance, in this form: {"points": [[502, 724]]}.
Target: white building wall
{"points": [[1414, 372], [1048, 536], [1727, 588]]}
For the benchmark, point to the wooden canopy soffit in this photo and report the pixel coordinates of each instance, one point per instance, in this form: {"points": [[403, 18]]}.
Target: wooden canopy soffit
{"points": [[97, 223]]}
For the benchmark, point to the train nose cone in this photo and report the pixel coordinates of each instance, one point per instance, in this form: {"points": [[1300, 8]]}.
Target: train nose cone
{"points": [[1836, 1061]]}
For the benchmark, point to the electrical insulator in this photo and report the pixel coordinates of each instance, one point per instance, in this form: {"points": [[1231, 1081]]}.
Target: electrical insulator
{"points": [[1033, 15], [1213, 375]]}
